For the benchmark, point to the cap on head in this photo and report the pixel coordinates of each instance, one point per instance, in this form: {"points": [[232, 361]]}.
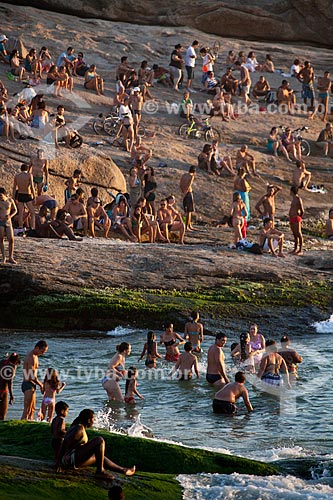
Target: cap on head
{"points": [[3, 38], [136, 89]]}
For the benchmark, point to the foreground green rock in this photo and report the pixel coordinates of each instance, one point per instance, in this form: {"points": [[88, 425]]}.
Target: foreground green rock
{"points": [[158, 463]]}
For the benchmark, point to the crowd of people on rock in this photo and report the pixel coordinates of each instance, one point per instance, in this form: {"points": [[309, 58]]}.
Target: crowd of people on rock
{"points": [[135, 214]]}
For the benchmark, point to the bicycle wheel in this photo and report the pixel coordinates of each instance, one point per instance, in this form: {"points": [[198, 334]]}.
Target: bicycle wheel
{"points": [[111, 126], [211, 134], [305, 147], [98, 127], [141, 131], [183, 130]]}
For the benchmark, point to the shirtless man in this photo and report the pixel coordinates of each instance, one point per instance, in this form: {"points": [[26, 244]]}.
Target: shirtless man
{"points": [[40, 171], [24, 194], [72, 184], [225, 399], [186, 183], [268, 202], [228, 82], [47, 201], [271, 239], [296, 213], [216, 373], [78, 213], [246, 160], [301, 176], [291, 357], [98, 217], [30, 379], [7, 211], [306, 76], [136, 103], [285, 95], [123, 70], [186, 363], [324, 86], [261, 88], [244, 81]]}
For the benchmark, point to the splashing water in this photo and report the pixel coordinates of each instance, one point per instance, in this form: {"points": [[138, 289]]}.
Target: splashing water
{"points": [[121, 331], [324, 326], [139, 430]]}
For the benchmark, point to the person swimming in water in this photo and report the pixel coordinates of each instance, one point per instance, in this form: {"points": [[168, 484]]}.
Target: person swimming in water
{"points": [[194, 331], [150, 348]]}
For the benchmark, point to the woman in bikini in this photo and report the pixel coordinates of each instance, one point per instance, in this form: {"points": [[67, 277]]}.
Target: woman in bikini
{"points": [[238, 213], [194, 331], [93, 81], [77, 451], [150, 348], [243, 354], [257, 343], [169, 339], [270, 366], [116, 372]]}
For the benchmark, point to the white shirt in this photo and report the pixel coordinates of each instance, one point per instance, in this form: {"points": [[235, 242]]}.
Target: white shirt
{"points": [[125, 113], [207, 62], [190, 61]]}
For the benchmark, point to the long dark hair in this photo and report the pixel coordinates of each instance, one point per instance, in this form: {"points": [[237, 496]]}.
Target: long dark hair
{"points": [[130, 372], [242, 342], [83, 417], [124, 346], [150, 341]]}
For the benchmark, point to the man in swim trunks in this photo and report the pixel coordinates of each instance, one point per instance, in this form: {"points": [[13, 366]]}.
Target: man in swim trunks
{"points": [[186, 362], [136, 103], [78, 213], [7, 211], [306, 76], [40, 171], [296, 213], [324, 86], [225, 399], [30, 379], [216, 373], [48, 202], [24, 194], [186, 183], [268, 202]]}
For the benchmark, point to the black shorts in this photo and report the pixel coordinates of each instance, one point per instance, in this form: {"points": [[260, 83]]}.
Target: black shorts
{"points": [[188, 203], [213, 377], [190, 72], [224, 407], [24, 198]]}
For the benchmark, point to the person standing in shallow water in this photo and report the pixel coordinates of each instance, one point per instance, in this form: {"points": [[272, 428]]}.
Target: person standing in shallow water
{"points": [[7, 373], [216, 372], [116, 372], [194, 331], [225, 399], [30, 379]]}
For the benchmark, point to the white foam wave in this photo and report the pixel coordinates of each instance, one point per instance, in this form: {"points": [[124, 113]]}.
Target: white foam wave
{"points": [[324, 326], [274, 454], [247, 487], [139, 430], [121, 331]]}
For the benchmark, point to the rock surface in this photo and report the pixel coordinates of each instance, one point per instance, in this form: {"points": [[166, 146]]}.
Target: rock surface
{"points": [[289, 20]]}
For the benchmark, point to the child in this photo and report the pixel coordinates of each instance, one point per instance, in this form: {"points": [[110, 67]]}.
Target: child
{"points": [[51, 387], [151, 348], [186, 362], [58, 426], [131, 386]]}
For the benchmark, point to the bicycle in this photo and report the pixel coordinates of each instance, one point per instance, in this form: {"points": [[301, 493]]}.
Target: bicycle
{"points": [[297, 133], [111, 125], [199, 130]]}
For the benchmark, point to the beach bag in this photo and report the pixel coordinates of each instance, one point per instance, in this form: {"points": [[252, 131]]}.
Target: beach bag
{"points": [[204, 68]]}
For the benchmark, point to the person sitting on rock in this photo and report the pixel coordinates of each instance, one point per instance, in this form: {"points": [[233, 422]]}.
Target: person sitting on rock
{"points": [[270, 239], [68, 60], [59, 227], [285, 95], [210, 83], [78, 213], [261, 88], [246, 160], [301, 176], [98, 218], [93, 81], [325, 139], [228, 82]]}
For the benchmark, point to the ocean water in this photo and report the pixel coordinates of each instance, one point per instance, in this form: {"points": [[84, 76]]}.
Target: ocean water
{"points": [[297, 424]]}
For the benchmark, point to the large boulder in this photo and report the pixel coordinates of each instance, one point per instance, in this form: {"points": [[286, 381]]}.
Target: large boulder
{"points": [[288, 20]]}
